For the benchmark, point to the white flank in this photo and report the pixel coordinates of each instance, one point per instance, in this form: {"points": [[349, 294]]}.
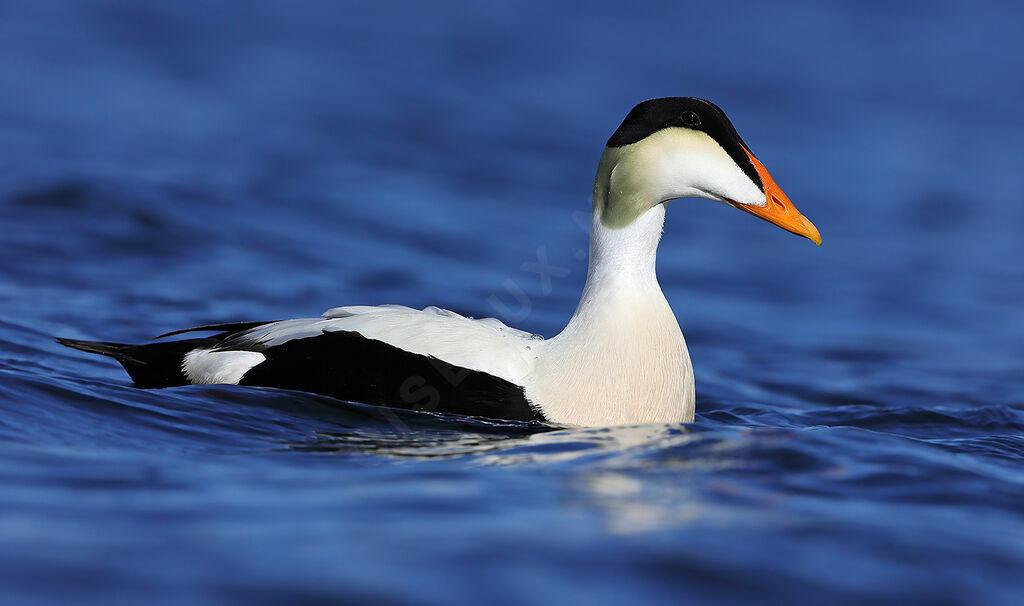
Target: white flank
{"points": [[203, 366]]}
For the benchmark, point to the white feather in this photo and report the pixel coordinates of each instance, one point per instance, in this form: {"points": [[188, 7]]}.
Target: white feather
{"points": [[203, 366], [486, 345]]}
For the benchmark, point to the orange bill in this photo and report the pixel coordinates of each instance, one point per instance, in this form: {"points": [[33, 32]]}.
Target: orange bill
{"points": [[778, 209]]}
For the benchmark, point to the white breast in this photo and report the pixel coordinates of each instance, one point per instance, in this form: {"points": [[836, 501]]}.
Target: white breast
{"points": [[626, 364]]}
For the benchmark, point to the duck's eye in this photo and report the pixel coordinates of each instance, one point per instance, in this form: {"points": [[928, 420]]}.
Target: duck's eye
{"points": [[691, 119]]}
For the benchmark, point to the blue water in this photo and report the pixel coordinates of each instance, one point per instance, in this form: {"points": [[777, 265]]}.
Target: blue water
{"points": [[860, 414]]}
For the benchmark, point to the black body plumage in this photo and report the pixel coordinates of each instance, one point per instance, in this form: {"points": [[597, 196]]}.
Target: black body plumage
{"points": [[348, 366], [342, 364]]}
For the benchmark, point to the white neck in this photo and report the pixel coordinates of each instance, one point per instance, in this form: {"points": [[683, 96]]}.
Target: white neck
{"points": [[622, 358]]}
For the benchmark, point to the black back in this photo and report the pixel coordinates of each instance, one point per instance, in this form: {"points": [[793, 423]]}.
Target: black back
{"points": [[654, 115]]}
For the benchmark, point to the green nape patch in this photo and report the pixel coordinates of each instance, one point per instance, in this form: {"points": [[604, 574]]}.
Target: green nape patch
{"points": [[620, 192], [634, 178]]}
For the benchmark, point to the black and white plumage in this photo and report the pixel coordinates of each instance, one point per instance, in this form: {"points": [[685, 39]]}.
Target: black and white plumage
{"points": [[347, 354], [620, 360]]}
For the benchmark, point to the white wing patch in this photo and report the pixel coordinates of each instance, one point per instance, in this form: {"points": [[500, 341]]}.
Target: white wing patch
{"points": [[486, 345], [203, 366]]}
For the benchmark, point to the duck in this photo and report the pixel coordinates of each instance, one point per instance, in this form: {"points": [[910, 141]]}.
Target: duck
{"points": [[620, 360]]}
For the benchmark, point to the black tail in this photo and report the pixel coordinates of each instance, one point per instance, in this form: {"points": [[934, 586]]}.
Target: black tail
{"points": [[150, 365]]}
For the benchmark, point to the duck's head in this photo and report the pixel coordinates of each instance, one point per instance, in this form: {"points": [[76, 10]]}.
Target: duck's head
{"points": [[681, 147]]}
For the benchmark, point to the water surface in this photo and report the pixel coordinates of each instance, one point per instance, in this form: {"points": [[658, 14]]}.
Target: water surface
{"points": [[860, 424]]}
